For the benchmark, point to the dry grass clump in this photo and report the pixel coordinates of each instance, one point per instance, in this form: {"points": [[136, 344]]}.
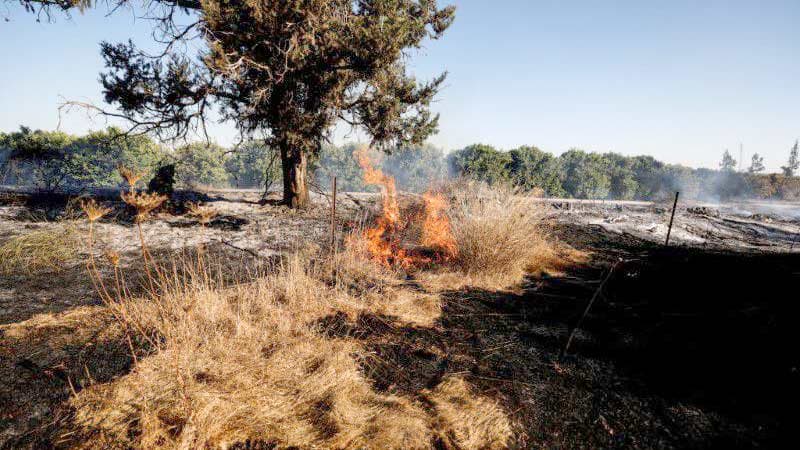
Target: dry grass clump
{"points": [[253, 363], [41, 250], [476, 422], [500, 235], [204, 213]]}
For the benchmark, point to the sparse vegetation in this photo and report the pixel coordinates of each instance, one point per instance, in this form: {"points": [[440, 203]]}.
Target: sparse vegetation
{"points": [[40, 250]]}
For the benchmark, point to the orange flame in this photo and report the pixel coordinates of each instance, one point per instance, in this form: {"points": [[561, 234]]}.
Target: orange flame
{"points": [[436, 232], [382, 241]]}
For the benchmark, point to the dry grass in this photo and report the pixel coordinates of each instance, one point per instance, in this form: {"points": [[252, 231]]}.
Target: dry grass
{"points": [[501, 235], [41, 250], [253, 363]]}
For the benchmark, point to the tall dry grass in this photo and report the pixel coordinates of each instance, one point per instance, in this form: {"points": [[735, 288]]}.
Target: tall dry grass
{"points": [[253, 363], [40, 250], [501, 235]]}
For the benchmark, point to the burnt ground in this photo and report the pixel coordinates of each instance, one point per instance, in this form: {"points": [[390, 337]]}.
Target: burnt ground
{"points": [[685, 348]]}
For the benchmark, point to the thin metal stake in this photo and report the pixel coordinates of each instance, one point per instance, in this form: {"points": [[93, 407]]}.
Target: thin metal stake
{"points": [[333, 219], [672, 217], [586, 311]]}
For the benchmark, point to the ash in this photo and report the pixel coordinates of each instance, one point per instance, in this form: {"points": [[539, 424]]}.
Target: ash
{"points": [[744, 225]]}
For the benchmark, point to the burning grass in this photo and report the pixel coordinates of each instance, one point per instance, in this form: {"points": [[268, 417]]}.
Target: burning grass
{"points": [[470, 233], [41, 250]]}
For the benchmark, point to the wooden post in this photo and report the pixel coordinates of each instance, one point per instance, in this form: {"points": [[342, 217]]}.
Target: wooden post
{"points": [[333, 218], [672, 217]]}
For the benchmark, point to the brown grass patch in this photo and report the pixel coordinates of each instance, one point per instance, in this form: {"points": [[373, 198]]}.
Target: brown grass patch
{"points": [[475, 421], [46, 249], [252, 363]]}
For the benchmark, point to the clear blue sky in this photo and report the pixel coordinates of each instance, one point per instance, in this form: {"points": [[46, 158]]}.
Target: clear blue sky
{"points": [[679, 80]]}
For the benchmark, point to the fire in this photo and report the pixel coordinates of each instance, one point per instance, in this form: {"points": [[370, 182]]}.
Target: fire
{"points": [[436, 232], [383, 240]]}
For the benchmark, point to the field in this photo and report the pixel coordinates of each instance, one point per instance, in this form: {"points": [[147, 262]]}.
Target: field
{"points": [[257, 337]]}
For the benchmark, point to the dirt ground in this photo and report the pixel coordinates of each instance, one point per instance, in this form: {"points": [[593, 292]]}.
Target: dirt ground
{"points": [[688, 346]]}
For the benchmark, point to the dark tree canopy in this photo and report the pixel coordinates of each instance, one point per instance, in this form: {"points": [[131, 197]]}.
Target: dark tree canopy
{"points": [[287, 70]]}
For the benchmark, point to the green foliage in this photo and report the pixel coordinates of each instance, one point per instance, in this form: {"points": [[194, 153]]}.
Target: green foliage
{"points": [[531, 168], [340, 162], [52, 160], [623, 184], [253, 164], [42, 157], [200, 164], [416, 168], [98, 154], [585, 175], [649, 175], [481, 162]]}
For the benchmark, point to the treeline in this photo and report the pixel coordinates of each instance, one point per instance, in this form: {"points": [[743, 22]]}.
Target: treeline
{"points": [[54, 160], [580, 174]]}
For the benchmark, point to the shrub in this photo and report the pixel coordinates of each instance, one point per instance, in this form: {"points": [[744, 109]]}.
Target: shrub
{"points": [[500, 234]]}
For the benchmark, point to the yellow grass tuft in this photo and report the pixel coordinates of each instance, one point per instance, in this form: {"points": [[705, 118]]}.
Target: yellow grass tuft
{"points": [[476, 421], [45, 249], [501, 235]]}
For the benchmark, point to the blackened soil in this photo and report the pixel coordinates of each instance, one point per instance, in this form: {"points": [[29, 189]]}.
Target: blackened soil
{"points": [[685, 348]]}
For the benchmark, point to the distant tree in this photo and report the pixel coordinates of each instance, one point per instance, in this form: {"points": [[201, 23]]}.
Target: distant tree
{"points": [[623, 182], [253, 164], [481, 162], [794, 161], [200, 164], [100, 152], [649, 175], [676, 178], [728, 164], [531, 168], [47, 157], [585, 175], [53, 160], [416, 168], [762, 186], [339, 161], [756, 164]]}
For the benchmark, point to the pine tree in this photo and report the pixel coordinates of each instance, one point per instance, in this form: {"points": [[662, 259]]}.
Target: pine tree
{"points": [[728, 164], [756, 164], [794, 161], [286, 70]]}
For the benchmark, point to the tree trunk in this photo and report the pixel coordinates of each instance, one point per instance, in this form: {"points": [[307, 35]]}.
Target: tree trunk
{"points": [[295, 190]]}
